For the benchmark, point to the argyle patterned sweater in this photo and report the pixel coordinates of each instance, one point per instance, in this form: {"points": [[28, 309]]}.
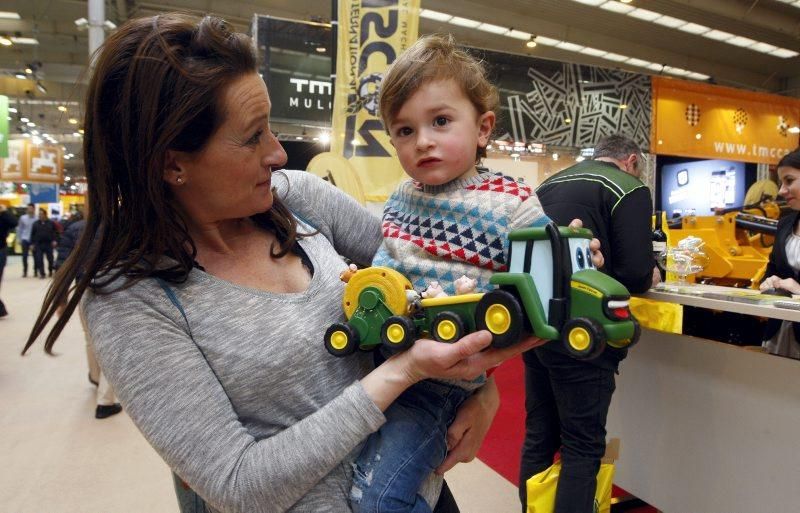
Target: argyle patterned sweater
{"points": [[439, 233]]}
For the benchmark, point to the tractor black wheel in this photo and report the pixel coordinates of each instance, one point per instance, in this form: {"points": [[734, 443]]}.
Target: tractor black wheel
{"points": [[341, 339], [499, 312], [583, 338], [447, 327], [398, 333]]}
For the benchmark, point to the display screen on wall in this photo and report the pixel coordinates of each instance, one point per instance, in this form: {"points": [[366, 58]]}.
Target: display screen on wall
{"points": [[296, 69], [701, 186], [568, 105]]}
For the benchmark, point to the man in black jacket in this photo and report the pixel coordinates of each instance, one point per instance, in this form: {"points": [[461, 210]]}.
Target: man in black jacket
{"points": [[567, 400], [44, 238], [7, 223]]}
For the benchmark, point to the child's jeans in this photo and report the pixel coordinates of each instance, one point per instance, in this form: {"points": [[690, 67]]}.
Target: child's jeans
{"points": [[398, 458]]}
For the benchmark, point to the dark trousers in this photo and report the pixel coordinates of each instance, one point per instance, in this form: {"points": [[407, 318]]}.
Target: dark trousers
{"points": [[26, 246], [566, 404], [40, 252]]}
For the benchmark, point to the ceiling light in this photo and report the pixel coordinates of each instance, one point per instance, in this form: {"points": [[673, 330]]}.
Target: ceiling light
{"points": [[432, 15], [784, 53], [324, 138], [30, 123], [8, 15], [5, 41], [570, 47], [41, 87], [494, 29], [24, 40], [109, 25], [82, 23], [638, 62], [80, 131], [463, 22], [531, 42], [62, 108], [321, 49], [764, 47], [594, 52], [73, 121], [644, 14], [615, 6], [555, 156], [547, 41], [718, 35], [623, 105], [24, 120], [591, 2], [698, 76], [669, 21], [694, 28], [615, 57], [20, 75], [626, 1], [741, 41], [28, 71], [518, 34], [794, 130], [12, 109]]}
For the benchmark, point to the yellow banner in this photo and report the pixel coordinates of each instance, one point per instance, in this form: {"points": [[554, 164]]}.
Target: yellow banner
{"points": [[371, 34], [701, 120]]}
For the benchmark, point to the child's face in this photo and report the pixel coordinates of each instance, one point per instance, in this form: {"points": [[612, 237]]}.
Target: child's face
{"points": [[437, 132]]}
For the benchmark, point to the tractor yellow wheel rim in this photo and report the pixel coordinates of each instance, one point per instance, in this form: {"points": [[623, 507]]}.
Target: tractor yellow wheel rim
{"points": [[446, 329], [498, 319], [579, 339], [395, 333], [338, 340]]}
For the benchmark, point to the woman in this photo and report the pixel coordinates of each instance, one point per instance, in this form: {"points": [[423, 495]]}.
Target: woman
{"points": [[207, 303], [784, 262]]}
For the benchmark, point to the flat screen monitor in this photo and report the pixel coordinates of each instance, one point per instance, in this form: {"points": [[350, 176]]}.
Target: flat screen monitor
{"points": [[700, 186]]}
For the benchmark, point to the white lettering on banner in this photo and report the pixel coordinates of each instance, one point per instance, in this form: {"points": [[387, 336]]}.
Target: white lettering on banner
{"points": [[314, 86], [752, 151]]}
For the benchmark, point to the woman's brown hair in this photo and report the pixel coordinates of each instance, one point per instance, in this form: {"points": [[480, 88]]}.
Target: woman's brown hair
{"points": [[157, 85]]}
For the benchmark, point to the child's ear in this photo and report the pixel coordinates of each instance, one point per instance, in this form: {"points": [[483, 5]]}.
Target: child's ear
{"points": [[485, 127]]}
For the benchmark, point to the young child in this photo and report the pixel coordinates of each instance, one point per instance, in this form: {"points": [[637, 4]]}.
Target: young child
{"points": [[451, 219]]}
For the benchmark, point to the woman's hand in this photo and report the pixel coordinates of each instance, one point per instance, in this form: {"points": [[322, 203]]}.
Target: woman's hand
{"points": [[472, 422], [594, 246], [464, 359], [776, 282]]}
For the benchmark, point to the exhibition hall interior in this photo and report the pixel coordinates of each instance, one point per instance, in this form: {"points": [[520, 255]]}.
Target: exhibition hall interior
{"points": [[671, 127]]}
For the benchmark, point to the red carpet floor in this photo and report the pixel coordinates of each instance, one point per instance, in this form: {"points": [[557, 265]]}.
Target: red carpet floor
{"points": [[501, 448]]}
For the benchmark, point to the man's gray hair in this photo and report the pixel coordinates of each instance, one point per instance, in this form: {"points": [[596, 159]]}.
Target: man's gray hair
{"points": [[617, 147]]}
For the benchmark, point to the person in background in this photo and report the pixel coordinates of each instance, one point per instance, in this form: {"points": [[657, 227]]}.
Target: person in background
{"points": [[207, 301], [44, 238], [7, 223], [783, 270], [24, 235], [107, 404], [567, 400]]}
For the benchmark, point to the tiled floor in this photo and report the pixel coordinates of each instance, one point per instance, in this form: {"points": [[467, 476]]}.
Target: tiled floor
{"points": [[55, 457]]}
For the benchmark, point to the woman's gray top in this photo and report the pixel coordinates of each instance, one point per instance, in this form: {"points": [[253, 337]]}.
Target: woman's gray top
{"points": [[244, 403]]}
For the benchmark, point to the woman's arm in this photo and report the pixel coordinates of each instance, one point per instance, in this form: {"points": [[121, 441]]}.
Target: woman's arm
{"points": [[175, 398], [351, 228]]}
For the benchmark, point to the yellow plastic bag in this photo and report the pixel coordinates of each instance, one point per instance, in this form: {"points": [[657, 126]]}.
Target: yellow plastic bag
{"points": [[542, 489], [658, 315]]}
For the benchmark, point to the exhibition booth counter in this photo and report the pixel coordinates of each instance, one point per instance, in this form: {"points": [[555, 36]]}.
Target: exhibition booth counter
{"points": [[707, 426]]}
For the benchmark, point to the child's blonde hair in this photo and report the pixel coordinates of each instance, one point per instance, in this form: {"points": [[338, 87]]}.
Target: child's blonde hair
{"points": [[431, 58]]}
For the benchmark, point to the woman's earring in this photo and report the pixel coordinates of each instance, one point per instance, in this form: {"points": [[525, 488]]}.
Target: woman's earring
{"points": [[179, 180]]}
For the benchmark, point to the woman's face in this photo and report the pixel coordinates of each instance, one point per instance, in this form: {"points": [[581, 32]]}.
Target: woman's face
{"points": [[789, 178], [230, 178]]}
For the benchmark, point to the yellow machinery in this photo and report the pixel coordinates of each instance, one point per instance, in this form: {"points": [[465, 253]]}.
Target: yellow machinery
{"points": [[737, 243]]}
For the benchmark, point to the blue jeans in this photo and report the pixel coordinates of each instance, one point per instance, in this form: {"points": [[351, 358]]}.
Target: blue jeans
{"points": [[399, 457], [566, 404]]}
